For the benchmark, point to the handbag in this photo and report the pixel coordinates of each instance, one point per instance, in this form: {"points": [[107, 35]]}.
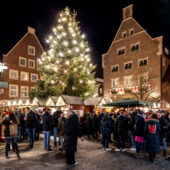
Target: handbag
{"points": [[13, 130]]}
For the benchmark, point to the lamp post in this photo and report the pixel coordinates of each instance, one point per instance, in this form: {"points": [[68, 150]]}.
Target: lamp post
{"points": [[2, 67]]}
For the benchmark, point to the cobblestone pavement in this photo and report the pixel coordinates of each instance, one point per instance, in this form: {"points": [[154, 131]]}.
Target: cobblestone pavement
{"points": [[90, 156]]}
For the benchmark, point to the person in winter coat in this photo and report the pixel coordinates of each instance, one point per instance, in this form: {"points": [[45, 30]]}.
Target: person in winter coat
{"points": [[103, 112], [47, 128], [30, 125], [152, 130], [55, 116], [6, 119], [20, 117], [164, 125], [71, 131], [106, 128], [61, 122], [139, 132], [121, 127], [168, 129], [131, 128], [95, 125], [88, 124], [37, 122]]}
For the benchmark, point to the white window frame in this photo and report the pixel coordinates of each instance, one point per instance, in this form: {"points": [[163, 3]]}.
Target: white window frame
{"points": [[23, 72], [27, 91], [29, 50], [132, 29], [29, 63], [128, 78], [10, 90], [33, 88], [31, 77], [115, 66], [128, 63], [100, 90], [10, 74], [114, 79], [121, 49], [147, 58], [25, 62], [125, 32], [163, 61], [133, 45]]}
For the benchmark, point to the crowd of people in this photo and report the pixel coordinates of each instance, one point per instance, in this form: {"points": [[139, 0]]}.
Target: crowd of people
{"points": [[29, 124], [142, 131]]}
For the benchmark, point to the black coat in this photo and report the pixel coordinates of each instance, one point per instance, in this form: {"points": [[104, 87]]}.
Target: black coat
{"points": [[55, 116], [140, 126], [20, 117], [95, 122], [71, 131], [88, 123], [163, 122], [106, 125], [30, 122], [132, 121], [121, 124], [152, 140], [47, 122], [100, 118], [37, 120]]}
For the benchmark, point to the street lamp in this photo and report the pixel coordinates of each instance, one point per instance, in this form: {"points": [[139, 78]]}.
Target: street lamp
{"points": [[2, 67]]}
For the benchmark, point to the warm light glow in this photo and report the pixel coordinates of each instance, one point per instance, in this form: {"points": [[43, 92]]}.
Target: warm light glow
{"points": [[61, 15], [65, 43], [74, 69], [87, 49], [88, 59], [67, 62], [74, 42], [73, 35], [82, 59], [64, 33], [73, 87], [57, 61], [146, 109], [81, 55], [69, 24], [59, 20], [69, 51], [90, 65], [83, 36], [52, 81], [77, 49], [50, 37], [86, 56], [54, 29], [54, 42], [58, 36], [43, 59], [81, 81], [63, 19], [65, 71], [48, 66], [60, 54], [47, 41], [55, 68]]}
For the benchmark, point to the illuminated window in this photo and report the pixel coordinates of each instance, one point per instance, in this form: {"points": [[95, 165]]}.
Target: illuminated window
{"points": [[13, 89], [13, 74], [24, 91], [24, 76]]}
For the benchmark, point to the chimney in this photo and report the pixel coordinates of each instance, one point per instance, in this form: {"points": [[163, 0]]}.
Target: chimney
{"points": [[31, 30], [128, 11]]}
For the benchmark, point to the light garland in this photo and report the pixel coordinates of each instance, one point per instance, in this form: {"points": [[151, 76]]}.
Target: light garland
{"points": [[52, 81], [77, 49], [74, 42], [67, 62], [65, 43], [61, 54], [83, 36], [81, 81]]}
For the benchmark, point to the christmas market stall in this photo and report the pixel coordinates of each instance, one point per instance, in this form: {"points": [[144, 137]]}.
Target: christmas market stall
{"points": [[96, 104]]}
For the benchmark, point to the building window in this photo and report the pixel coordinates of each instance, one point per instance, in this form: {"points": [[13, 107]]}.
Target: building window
{"points": [[143, 62], [163, 61], [128, 81], [13, 74], [24, 76], [24, 91], [128, 66], [123, 34], [22, 62], [131, 31], [13, 90], [31, 50], [34, 77], [33, 89], [121, 51], [143, 79], [31, 63], [101, 90], [135, 47], [114, 69], [115, 83]]}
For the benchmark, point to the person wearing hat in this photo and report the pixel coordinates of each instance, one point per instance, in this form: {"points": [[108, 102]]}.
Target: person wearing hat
{"points": [[88, 124], [139, 132], [131, 128]]}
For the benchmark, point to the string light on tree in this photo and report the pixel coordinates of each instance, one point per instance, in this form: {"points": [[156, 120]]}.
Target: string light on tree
{"points": [[74, 42]]}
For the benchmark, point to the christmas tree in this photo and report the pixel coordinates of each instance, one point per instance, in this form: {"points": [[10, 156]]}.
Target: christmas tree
{"points": [[65, 68]]}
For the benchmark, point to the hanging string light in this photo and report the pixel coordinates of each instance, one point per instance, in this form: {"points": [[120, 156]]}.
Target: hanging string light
{"points": [[83, 36], [67, 62], [52, 81], [74, 42], [77, 49]]}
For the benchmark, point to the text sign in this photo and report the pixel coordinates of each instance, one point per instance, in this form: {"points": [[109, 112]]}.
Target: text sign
{"points": [[3, 84]]}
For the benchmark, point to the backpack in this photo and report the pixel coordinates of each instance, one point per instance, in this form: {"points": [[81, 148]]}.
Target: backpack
{"points": [[152, 128]]}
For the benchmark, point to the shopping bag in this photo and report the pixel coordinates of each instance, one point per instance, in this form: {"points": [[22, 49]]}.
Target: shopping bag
{"points": [[13, 130]]}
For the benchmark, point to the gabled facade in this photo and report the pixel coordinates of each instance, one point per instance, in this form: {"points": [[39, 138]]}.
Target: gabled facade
{"points": [[133, 51], [22, 72]]}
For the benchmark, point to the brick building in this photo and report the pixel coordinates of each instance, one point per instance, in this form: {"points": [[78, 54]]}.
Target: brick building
{"points": [[21, 61], [134, 51]]}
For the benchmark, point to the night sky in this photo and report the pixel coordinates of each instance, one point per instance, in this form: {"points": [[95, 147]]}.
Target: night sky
{"points": [[100, 21]]}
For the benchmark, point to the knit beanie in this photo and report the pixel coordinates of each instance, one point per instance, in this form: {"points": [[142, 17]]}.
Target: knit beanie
{"points": [[140, 112]]}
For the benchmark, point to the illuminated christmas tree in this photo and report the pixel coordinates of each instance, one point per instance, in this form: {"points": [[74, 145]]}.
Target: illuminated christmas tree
{"points": [[66, 67]]}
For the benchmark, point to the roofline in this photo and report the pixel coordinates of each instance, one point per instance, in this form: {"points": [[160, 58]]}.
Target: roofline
{"points": [[21, 40]]}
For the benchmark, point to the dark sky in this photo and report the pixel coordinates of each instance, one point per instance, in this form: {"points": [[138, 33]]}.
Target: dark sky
{"points": [[100, 21]]}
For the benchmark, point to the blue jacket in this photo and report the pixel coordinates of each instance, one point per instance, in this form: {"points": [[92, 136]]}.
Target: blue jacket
{"points": [[106, 125], [152, 139], [47, 122]]}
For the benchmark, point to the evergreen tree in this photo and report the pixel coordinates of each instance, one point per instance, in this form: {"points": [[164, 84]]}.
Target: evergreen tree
{"points": [[66, 66]]}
